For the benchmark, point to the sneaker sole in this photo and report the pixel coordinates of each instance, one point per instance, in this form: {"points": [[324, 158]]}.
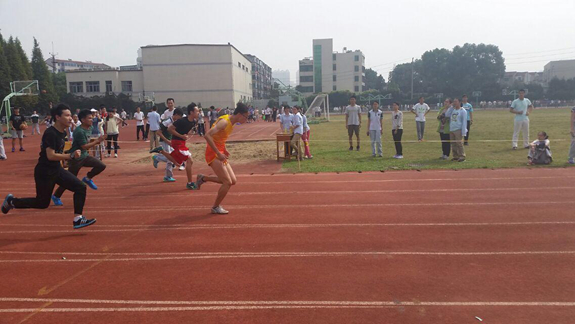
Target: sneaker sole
{"points": [[85, 224], [216, 213]]}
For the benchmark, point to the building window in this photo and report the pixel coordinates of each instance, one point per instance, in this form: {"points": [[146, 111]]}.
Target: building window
{"points": [[306, 89], [334, 88], [356, 68], [239, 65], [243, 67], [92, 86], [334, 78], [126, 86], [357, 58], [307, 78], [356, 88], [306, 68], [76, 87], [356, 78], [334, 57], [334, 67], [109, 86]]}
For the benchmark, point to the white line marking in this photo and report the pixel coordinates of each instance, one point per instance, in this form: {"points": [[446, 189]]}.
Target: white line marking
{"points": [[141, 228], [223, 255]]}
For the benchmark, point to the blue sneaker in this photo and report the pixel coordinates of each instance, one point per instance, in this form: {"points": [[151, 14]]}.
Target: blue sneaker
{"points": [[90, 183], [157, 149], [169, 179], [7, 204], [83, 222], [191, 186], [155, 161], [57, 201]]}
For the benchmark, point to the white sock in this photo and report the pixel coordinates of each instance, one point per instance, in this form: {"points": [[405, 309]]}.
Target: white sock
{"points": [[76, 218]]}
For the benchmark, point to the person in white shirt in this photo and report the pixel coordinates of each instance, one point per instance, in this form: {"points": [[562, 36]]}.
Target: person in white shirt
{"points": [[2, 151], [168, 113], [375, 121], [35, 123], [154, 119], [201, 123], [124, 116], [353, 121], [139, 117], [305, 136], [297, 128], [285, 120], [521, 107], [420, 110]]}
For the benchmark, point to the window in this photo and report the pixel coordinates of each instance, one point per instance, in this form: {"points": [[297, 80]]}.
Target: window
{"points": [[334, 88], [76, 87], [306, 89], [239, 65], [356, 88], [334, 78], [109, 86], [357, 58], [306, 68], [126, 86], [356, 68], [307, 78], [334, 67], [356, 78], [243, 67], [92, 86], [334, 57]]}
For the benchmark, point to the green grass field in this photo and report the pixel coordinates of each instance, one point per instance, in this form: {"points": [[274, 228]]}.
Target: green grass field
{"points": [[329, 144]]}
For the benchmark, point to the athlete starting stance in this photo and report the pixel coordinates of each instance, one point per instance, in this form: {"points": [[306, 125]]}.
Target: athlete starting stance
{"points": [[217, 155]]}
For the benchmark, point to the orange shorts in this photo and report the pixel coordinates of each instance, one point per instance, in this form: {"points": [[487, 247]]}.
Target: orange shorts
{"points": [[211, 155]]}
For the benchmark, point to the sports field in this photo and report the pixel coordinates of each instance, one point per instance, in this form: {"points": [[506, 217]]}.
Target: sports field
{"points": [[490, 143]]}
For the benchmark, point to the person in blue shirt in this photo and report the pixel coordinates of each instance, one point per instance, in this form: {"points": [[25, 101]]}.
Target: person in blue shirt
{"points": [[458, 129], [521, 107], [469, 109]]}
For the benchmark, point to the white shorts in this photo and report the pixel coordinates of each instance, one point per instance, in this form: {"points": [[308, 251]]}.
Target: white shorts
{"points": [[17, 133]]}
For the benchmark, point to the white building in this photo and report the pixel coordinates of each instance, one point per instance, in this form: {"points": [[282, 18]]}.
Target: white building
{"points": [[69, 65], [330, 71], [218, 75], [559, 69]]}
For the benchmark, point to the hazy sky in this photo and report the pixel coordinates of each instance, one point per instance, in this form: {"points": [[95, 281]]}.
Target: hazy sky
{"points": [[530, 33]]}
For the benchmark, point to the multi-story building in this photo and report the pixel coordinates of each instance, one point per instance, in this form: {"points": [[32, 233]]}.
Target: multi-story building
{"points": [[330, 71], [57, 65], [523, 77], [261, 78], [559, 69], [218, 75]]}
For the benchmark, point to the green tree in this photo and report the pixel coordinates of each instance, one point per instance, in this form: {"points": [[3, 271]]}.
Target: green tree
{"points": [[374, 81], [5, 77], [17, 70], [59, 81], [560, 89], [44, 77], [26, 66]]}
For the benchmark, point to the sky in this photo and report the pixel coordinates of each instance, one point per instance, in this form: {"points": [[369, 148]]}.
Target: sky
{"points": [[529, 33]]}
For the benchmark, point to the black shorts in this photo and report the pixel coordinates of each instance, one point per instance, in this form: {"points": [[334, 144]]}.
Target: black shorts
{"points": [[353, 129]]}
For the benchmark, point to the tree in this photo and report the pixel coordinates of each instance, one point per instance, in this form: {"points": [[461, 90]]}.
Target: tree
{"points": [[44, 77], [5, 77], [27, 68], [17, 70], [560, 89], [374, 81], [59, 81]]}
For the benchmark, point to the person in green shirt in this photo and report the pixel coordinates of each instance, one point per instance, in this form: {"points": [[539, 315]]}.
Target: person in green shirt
{"points": [[443, 129], [82, 142]]}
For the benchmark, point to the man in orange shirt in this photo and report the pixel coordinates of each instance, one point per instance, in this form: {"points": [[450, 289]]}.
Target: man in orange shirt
{"points": [[217, 155]]}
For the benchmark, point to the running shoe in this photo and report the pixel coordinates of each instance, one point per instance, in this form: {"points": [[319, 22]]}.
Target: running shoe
{"points": [[357, 147], [169, 179], [182, 167], [461, 160], [83, 222], [57, 201], [90, 183], [155, 161], [400, 157], [7, 204], [219, 210], [514, 148], [157, 149], [22, 149], [115, 155], [571, 161], [191, 186], [200, 180]]}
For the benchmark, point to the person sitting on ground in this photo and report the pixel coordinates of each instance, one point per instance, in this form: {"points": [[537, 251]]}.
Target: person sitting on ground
{"points": [[539, 150]]}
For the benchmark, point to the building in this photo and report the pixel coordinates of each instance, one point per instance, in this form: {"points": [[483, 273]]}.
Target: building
{"points": [[559, 69], [218, 75], [283, 76], [522, 77], [69, 65], [261, 78], [328, 71]]}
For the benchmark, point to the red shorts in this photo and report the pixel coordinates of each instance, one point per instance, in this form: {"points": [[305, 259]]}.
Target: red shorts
{"points": [[180, 152]]}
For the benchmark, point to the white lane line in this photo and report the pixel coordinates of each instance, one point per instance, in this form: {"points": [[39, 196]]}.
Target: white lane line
{"points": [[207, 255], [142, 228]]}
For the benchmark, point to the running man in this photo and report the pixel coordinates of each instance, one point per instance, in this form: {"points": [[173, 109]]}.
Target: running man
{"points": [[82, 135], [180, 154], [49, 172], [165, 140], [217, 155]]}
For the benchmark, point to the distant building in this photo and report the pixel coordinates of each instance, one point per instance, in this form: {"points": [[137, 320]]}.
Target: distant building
{"points": [[210, 74], [70, 65], [261, 78], [523, 77], [283, 76], [330, 71], [559, 69]]}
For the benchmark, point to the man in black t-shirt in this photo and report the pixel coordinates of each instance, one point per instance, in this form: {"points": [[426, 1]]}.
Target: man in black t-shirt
{"points": [[49, 172], [16, 121]]}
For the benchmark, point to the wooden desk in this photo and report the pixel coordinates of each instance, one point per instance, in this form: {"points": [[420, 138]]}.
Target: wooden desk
{"points": [[286, 140]]}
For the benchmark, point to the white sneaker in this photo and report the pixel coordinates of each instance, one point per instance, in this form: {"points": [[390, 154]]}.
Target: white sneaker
{"points": [[219, 210], [182, 168], [107, 155], [399, 157], [115, 155]]}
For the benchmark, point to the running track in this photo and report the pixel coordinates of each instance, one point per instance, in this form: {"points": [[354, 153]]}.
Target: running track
{"points": [[393, 247]]}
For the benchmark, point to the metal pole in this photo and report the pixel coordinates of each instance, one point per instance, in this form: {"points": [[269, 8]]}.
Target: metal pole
{"points": [[412, 78]]}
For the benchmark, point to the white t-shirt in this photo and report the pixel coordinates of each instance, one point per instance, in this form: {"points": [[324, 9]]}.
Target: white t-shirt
{"points": [[285, 120], [139, 116], [124, 115], [167, 114], [297, 122], [420, 110], [305, 125], [353, 114], [375, 118]]}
